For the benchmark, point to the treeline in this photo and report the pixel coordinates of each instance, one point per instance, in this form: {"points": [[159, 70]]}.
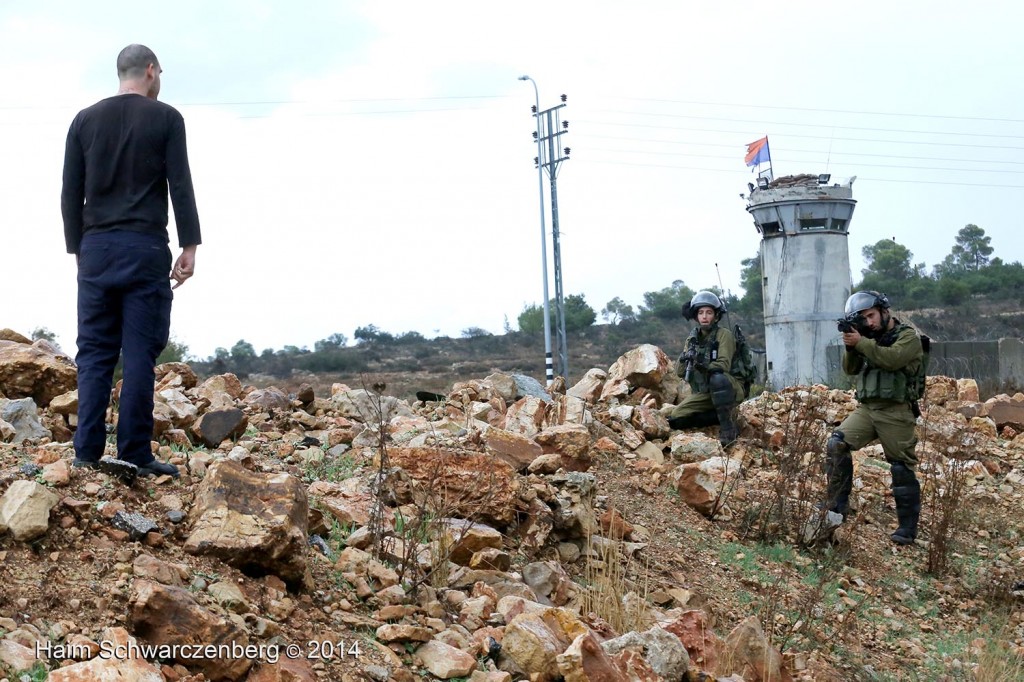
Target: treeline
{"points": [[969, 270]]}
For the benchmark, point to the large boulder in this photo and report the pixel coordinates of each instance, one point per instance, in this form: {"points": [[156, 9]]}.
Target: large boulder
{"points": [[131, 668], [350, 501], [39, 371], [175, 375], [526, 416], [534, 640], [570, 441], [25, 509], [168, 616], [24, 418], [644, 366], [705, 485], [514, 448], [658, 648], [253, 521], [1004, 411], [702, 644], [218, 425], [369, 407], [589, 387], [471, 485], [752, 656], [266, 399]]}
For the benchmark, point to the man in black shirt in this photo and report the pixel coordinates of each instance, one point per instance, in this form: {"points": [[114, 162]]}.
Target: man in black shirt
{"points": [[122, 155]]}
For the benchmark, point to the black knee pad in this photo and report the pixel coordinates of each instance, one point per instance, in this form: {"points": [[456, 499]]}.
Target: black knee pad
{"points": [[722, 392], [836, 446], [902, 475]]}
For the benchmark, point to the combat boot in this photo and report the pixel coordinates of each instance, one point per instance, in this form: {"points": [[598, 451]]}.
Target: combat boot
{"points": [[906, 491], [908, 511], [840, 484], [727, 431]]}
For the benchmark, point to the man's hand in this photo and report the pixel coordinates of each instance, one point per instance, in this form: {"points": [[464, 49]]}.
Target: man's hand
{"points": [[692, 356], [851, 338], [184, 267]]}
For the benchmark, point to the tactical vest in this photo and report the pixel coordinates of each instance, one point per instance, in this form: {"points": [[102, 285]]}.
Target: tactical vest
{"points": [[708, 352], [903, 385]]}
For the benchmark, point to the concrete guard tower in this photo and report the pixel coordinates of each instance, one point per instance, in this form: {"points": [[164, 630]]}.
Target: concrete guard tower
{"points": [[805, 264]]}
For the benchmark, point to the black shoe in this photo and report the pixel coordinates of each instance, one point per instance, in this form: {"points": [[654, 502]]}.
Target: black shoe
{"points": [[158, 468], [85, 463]]}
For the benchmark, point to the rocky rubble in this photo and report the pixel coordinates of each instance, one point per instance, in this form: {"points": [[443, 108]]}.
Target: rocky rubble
{"points": [[488, 513]]}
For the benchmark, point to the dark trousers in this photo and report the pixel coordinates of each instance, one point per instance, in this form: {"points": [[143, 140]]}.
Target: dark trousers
{"points": [[124, 308]]}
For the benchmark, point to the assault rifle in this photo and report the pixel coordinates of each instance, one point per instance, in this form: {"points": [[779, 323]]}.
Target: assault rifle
{"points": [[852, 323]]}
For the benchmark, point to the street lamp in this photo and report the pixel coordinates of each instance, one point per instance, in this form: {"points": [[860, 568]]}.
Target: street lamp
{"points": [[548, 369]]}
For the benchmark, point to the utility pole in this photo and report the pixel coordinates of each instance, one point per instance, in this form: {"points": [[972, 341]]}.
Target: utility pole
{"points": [[551, 132], [548, 369]]}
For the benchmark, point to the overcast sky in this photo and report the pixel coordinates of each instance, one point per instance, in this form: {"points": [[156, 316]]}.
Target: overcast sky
{"points": [[365, 163]]}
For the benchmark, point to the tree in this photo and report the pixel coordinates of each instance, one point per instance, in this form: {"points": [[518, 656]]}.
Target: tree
{"points": [[578, 315], [242, 350], [666, 304], [475, 333], [531, 320], [43, 333], [616, 311], [889, 269], [406, 337], [332, 342], [752, 282], [174, 351], [972, 249], [370, 333], [887, 261]]}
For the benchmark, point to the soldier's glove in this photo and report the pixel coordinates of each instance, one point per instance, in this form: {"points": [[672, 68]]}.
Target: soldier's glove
{"points": [[691, 356]]}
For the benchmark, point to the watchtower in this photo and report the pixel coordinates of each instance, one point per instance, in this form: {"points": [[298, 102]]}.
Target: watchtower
{"points": [[805, 264]]}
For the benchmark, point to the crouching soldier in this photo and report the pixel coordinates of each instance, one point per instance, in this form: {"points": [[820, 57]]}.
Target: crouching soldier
{"points": [[886, 356], [707, 365]]}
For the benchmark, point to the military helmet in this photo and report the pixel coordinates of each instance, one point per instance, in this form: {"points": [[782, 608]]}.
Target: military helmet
{"points": [[862, 300], [707, 298]]}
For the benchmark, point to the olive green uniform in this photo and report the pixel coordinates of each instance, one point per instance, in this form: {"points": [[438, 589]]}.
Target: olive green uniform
{"points": [[717, 349], [885, 369], [888, 371]]}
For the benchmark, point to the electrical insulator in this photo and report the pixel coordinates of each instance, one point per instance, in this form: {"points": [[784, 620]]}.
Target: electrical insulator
{"points": [[533, 108], [565, 125], [535, 134], [567, 151], [563, 98], [536, 162]]}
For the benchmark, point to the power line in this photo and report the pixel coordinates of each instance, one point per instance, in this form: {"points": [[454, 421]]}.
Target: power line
{"points": [[279, 102], [859, 178], [867, 165], [809, 125], [807, 151], [827, 111], [810, 137]]}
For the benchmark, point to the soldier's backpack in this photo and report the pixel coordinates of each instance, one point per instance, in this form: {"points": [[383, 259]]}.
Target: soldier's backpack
{"points": [[743, 367]]}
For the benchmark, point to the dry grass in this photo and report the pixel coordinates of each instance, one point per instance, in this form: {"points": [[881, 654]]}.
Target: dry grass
{"points": [[946, 477], [609, 592], [799, 483]]}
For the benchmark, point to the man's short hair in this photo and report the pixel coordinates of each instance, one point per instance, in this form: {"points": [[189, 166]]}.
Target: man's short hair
{"points": [[133, 61]]}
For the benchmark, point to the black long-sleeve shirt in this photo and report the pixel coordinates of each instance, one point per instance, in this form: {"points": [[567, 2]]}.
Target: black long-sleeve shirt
{"points": [[122, 155]]}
